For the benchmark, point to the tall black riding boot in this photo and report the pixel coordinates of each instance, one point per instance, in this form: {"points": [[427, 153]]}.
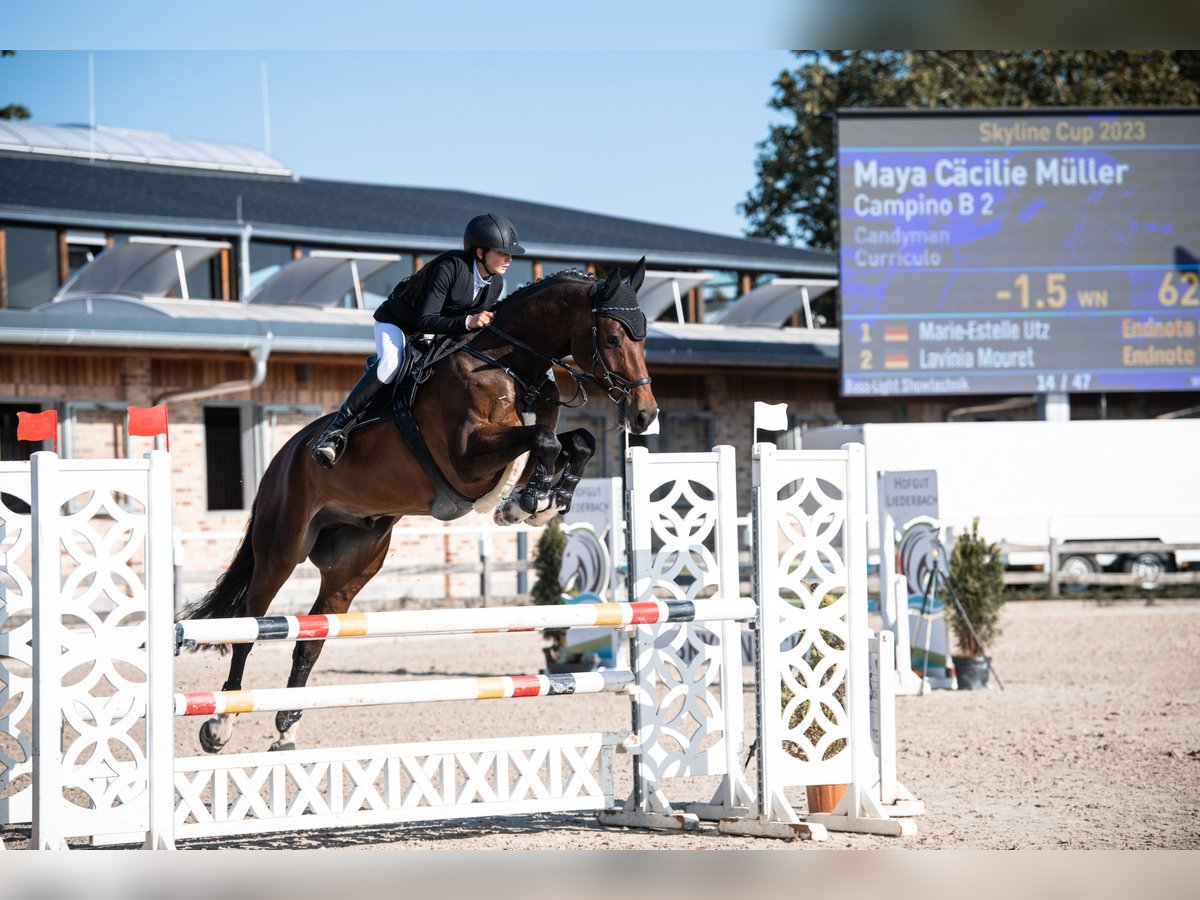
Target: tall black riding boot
{"points": [[332, 443]]}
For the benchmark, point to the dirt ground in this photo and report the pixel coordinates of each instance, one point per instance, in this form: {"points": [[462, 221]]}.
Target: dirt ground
{"points": [[1093, 742]]}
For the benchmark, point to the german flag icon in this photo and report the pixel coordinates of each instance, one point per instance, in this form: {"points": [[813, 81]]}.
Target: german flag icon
{"points": [[896, 361], [895, 333]]}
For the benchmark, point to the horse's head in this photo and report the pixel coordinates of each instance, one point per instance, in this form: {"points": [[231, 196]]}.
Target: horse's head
{"points": [[616, 355]]}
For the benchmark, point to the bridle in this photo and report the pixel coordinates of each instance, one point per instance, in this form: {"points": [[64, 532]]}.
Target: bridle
{"points": [[618, 387]]}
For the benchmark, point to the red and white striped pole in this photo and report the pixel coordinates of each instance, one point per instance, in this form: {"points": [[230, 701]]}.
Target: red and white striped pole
{"points": [[197, 632], [207, 703]]}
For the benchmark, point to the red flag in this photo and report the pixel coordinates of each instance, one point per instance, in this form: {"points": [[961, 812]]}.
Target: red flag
{"points": [[41, 426], [149, 421]]}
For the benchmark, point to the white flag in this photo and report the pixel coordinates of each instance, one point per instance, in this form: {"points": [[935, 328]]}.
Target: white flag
{"points": [[770, 417]]}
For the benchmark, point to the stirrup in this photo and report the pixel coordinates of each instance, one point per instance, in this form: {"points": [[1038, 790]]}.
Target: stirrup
{"points": [[329, 448]]}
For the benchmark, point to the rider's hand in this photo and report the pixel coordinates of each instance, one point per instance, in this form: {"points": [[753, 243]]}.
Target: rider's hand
{"points": [[479, 319]]}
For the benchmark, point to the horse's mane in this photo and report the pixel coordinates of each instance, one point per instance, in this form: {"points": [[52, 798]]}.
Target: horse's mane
{"points": [[532, 288]]}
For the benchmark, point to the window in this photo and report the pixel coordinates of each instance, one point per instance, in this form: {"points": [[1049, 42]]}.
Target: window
{"points": [[202, 280], [378, 286], [10, 447], [82, 248], [223, 457], [265, 261], [31, 255], [96, 431], [718, 292]]}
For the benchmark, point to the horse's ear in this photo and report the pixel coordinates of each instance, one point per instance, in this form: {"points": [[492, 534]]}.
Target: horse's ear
{"points": [[638, 275], [611, 283]]}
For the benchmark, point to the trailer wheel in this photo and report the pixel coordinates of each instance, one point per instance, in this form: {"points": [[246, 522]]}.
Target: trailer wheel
{"points": [[1075, 571], [1149, 567]]}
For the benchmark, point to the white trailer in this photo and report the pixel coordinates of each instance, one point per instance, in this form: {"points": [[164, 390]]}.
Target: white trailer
{"points": [[1128, 480]]}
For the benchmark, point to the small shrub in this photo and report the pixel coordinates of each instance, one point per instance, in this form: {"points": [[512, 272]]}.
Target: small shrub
{"points": [[547, 562], [977, 580]]}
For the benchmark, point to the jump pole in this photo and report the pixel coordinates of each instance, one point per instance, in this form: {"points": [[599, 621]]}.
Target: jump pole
{"points": [[200, 632], [207, 703]]}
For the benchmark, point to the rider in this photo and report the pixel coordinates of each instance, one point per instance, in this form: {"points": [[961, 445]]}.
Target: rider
{"points": [[450, 295]]}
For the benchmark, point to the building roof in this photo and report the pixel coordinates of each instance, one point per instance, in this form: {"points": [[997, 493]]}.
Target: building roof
{"points": [[116, 321], [157, 194], [127, 145]]}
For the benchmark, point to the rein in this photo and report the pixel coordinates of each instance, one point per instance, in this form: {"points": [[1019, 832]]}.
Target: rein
{"points": [[616, 386]]}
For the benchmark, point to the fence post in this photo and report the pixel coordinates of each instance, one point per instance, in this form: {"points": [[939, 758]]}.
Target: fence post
{"points": [[485, 572], [522, 557], [1053, 566]]}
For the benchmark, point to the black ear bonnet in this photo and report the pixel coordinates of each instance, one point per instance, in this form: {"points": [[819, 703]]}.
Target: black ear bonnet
{"points": [[617, 300]]}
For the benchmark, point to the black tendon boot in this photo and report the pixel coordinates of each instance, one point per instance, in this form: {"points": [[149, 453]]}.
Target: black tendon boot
{"points": [[332, 443], [564, 492], [537, 490]]}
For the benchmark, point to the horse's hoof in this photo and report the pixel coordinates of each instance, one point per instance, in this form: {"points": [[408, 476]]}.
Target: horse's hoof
{"points": [[509, 512], [281, 744], [544, 516], [210, 736]]}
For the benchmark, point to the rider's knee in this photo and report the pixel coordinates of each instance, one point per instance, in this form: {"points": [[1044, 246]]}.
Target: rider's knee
{"points": [[387, 367]]}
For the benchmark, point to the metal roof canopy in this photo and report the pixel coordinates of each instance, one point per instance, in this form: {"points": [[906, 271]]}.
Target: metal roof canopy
{"points": [[322, 278], [145, 266], [129, 145], [774, 302], [661, 290]]}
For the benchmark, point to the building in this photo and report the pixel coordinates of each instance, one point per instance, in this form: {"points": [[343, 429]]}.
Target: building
{"points": [[138, 269]]}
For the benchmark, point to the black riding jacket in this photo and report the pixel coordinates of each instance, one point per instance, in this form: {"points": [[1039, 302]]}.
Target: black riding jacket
{"points": [[438, 298]]}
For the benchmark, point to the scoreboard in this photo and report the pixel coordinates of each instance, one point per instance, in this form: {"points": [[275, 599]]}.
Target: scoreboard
{"points": [[1023, 251]]}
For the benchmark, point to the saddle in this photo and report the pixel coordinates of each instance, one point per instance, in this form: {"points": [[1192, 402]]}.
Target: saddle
{"points": [[448, 503]]}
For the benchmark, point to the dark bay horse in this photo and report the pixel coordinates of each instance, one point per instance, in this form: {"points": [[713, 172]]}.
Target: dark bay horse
{"points": [[488, 414]]}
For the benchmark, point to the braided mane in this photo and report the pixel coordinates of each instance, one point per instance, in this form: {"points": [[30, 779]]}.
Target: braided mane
{"points": [[530, 288]]}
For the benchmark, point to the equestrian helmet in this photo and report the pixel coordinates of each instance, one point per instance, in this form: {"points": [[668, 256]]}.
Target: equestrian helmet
{"points": [[492, 232]]}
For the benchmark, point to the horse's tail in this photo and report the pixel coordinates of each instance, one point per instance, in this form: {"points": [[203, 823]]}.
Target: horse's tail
{"points": [[228, 596]]}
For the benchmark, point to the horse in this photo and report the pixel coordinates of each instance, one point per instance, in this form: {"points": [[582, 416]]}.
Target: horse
{"points": [[487, 411]]}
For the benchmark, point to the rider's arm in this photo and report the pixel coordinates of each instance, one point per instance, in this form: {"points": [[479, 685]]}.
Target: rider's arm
{"points": [[438, 312]]}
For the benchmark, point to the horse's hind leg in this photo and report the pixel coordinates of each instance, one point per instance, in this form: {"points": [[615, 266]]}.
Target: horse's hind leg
{"points": [[348, 557], [275, 559]]}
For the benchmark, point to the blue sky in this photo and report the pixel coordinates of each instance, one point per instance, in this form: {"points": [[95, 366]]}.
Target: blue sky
{"points": [[661, 134]]}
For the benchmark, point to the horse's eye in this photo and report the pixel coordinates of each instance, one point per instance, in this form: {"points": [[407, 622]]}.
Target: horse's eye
{"points": [[612, 341]]}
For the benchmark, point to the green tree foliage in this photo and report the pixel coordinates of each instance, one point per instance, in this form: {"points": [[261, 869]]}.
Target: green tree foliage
{"points": [[977, 580], [547, 562], [13, 110], [796, 195]]}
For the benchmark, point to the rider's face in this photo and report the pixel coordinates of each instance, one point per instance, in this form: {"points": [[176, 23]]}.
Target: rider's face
{"points": [[497, 261]]}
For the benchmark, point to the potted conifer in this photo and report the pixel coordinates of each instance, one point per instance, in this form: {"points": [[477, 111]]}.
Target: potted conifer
{"points": [[973, 610]]}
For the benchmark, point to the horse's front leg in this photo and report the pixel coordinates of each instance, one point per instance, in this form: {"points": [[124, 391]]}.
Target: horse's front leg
{"points": [[496, 447], [578, 447]]}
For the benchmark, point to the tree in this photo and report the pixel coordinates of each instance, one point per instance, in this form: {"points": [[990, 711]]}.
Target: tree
{"points": [[13, 110], [796, 195]]}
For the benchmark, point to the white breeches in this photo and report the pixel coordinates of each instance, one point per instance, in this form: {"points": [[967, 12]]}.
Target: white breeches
{"points": [[389, 345]]}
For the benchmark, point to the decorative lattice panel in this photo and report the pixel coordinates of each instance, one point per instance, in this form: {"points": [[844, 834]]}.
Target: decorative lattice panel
{"points": [[683, 546], [16, 648], [93, 566], [358, 786], [809, 521]]}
